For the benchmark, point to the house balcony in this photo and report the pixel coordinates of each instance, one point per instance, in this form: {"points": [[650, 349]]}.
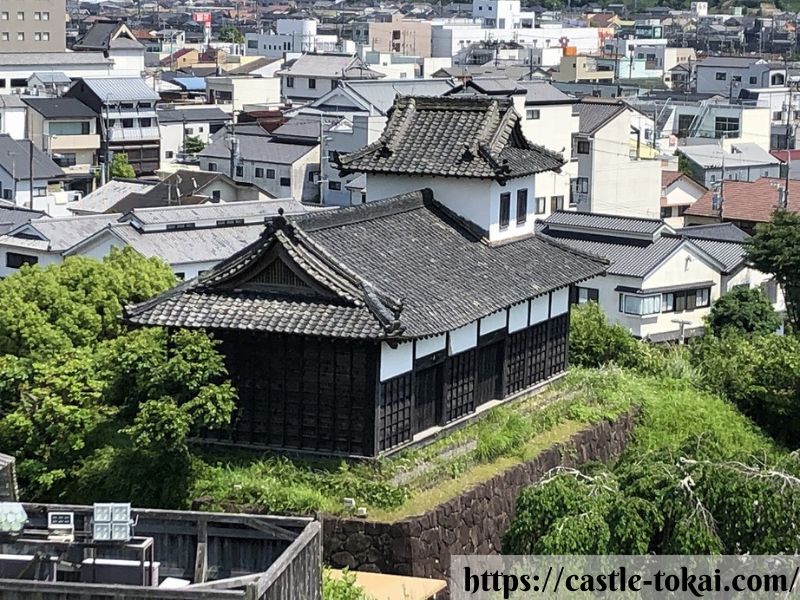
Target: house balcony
{"points": [[68, 143], [133, 134]]}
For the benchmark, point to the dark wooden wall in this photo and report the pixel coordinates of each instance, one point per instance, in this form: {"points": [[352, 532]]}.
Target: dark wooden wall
{"points": [[502, 364], [303, 393]]}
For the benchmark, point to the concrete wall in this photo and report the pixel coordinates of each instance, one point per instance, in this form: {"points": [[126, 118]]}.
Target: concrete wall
{"points": [[471, 523]]}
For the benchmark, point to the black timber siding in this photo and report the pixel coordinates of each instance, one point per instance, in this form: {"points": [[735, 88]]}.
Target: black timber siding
{"points": [[303, 393], [526, 358]]}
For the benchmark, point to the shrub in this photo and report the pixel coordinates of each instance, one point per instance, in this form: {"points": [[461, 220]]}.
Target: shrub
{"points": [[745, 310]]}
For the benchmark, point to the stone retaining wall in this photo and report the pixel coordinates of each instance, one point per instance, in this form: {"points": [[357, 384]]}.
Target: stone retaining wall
{"points": [[471, 523]]}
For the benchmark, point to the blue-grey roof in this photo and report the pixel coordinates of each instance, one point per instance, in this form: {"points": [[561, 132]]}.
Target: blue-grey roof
{"points": [[722, 232], [604, 223], [190, 84], [381, 94], [120, 89], [53, 77], [192, 115], [730, 254], [12, 216]]}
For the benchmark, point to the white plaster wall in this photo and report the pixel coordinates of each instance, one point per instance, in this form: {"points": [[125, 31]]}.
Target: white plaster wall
{"points": [[464, 338], [540, 309], [396, 361], [554, 127], [493, 322], [427, 346], [560, 302], [518, 317], [45, 258]]}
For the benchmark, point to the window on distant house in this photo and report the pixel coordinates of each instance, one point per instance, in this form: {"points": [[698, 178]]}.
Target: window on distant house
{"points": [[719, 76], [127, 123], [583, 147], [216, 195], [4, 16], [505, 209], [582, 295], [556, 203], [736, 78], [240, 170], [229, 222], [532, 113], [212, 166], [169, 154], [363, 198], [541, 205], [15, 260], [312, 84], [335, 185], [666, 212], [5, 38], [753, 80], [682, 210], [21, 38], [270, 173], [285, 182], [179, 226], [631, 304], [777, 115], [39, 192], [259, 172], [312, 176], [522, 206], [686, 299], [20, 16], [290, 82]]}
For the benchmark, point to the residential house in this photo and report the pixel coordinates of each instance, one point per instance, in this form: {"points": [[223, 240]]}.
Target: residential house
{"points": [[279, 168], [106, 197], [678, 193], [17, 69], [66, 130], [38, 189], [783, 106], [402, 35], [180, 122], [660, 284], [711, 163], [744, 203], [470, 151], [117, 43], [126, 108], [728, 75], [612, 177], [48, 83], [12, 216], [384, 300], [312, 75], [236, 91], [584, 68], [291, 36]]}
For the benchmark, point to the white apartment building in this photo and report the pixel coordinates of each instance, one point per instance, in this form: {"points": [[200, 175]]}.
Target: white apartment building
{"points": [[291, 36]]}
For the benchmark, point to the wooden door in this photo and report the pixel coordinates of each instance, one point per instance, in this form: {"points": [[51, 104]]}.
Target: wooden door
{"points": [[490, 373], [428, 397]]}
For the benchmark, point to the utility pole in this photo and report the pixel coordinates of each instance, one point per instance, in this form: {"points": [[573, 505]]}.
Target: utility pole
{"points": [[30, 169], [322, 158]]}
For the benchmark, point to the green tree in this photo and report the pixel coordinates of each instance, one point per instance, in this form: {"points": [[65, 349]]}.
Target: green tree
{"points": [[593, 342], [684, 166], [193, 144], [92, 409], [231, 35], [343, 588], [743, 309], [775, 249], [120, 167]]}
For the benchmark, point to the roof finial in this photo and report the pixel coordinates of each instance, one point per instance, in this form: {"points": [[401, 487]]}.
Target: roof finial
{"points": [[280, 211]]}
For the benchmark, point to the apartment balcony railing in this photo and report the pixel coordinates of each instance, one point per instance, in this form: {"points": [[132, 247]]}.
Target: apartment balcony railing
{"points": [[65, 143], [133, 134]]}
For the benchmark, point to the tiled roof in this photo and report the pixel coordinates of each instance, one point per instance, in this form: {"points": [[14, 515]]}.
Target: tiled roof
{"points": [[722, 232], [11, 216], [337, 66], [192, 115], [15, 158], [596, 112], [452, 137], [106, 196], [748, 200], [65, 108], [730, 254], [669, 177], [258, 148], [401, 267], [601, 222]]}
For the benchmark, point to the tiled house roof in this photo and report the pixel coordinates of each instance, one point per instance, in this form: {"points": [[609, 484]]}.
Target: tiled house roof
{"points": [[452, 137], [403, 267], [753, 201]]}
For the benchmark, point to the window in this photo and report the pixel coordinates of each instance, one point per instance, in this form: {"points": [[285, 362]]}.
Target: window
{"points": [[252, 44], [260, 172], [37, 37], [522, 206], [45, 16], [179, 226], [6, 36], [21, 38], [66, 159], [584, 295], [68, 128], [736, 78], [127, 123], [180, 275], [721, 76], [583, 147], [312, 84], [240, 170], [331, 155], [270, 173], [285, 182], [505, 209], [15, 261], [556, 203], [20, 16], [229, 222], [290, 82], [335, 185], [312, 176], [582, 185], [666, 212], [777, 115], [725, 125], [169, 154], [363, 198], [753, 80], [532, 113], [688, 299], [212, 166], [639, 305], [4, 15], [39, 192], [541, 205], [334, 84], [682, 209], [216, 195]]}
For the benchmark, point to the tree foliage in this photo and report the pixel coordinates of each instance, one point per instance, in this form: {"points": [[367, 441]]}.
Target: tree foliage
{"points": [[745, 310], [193, 144], [593, 342], [231, 35], [775, 249], [93, 410], [120, 167]]}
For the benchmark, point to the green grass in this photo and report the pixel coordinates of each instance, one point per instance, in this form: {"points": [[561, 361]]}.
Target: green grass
{"points": [[414, 480]]}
